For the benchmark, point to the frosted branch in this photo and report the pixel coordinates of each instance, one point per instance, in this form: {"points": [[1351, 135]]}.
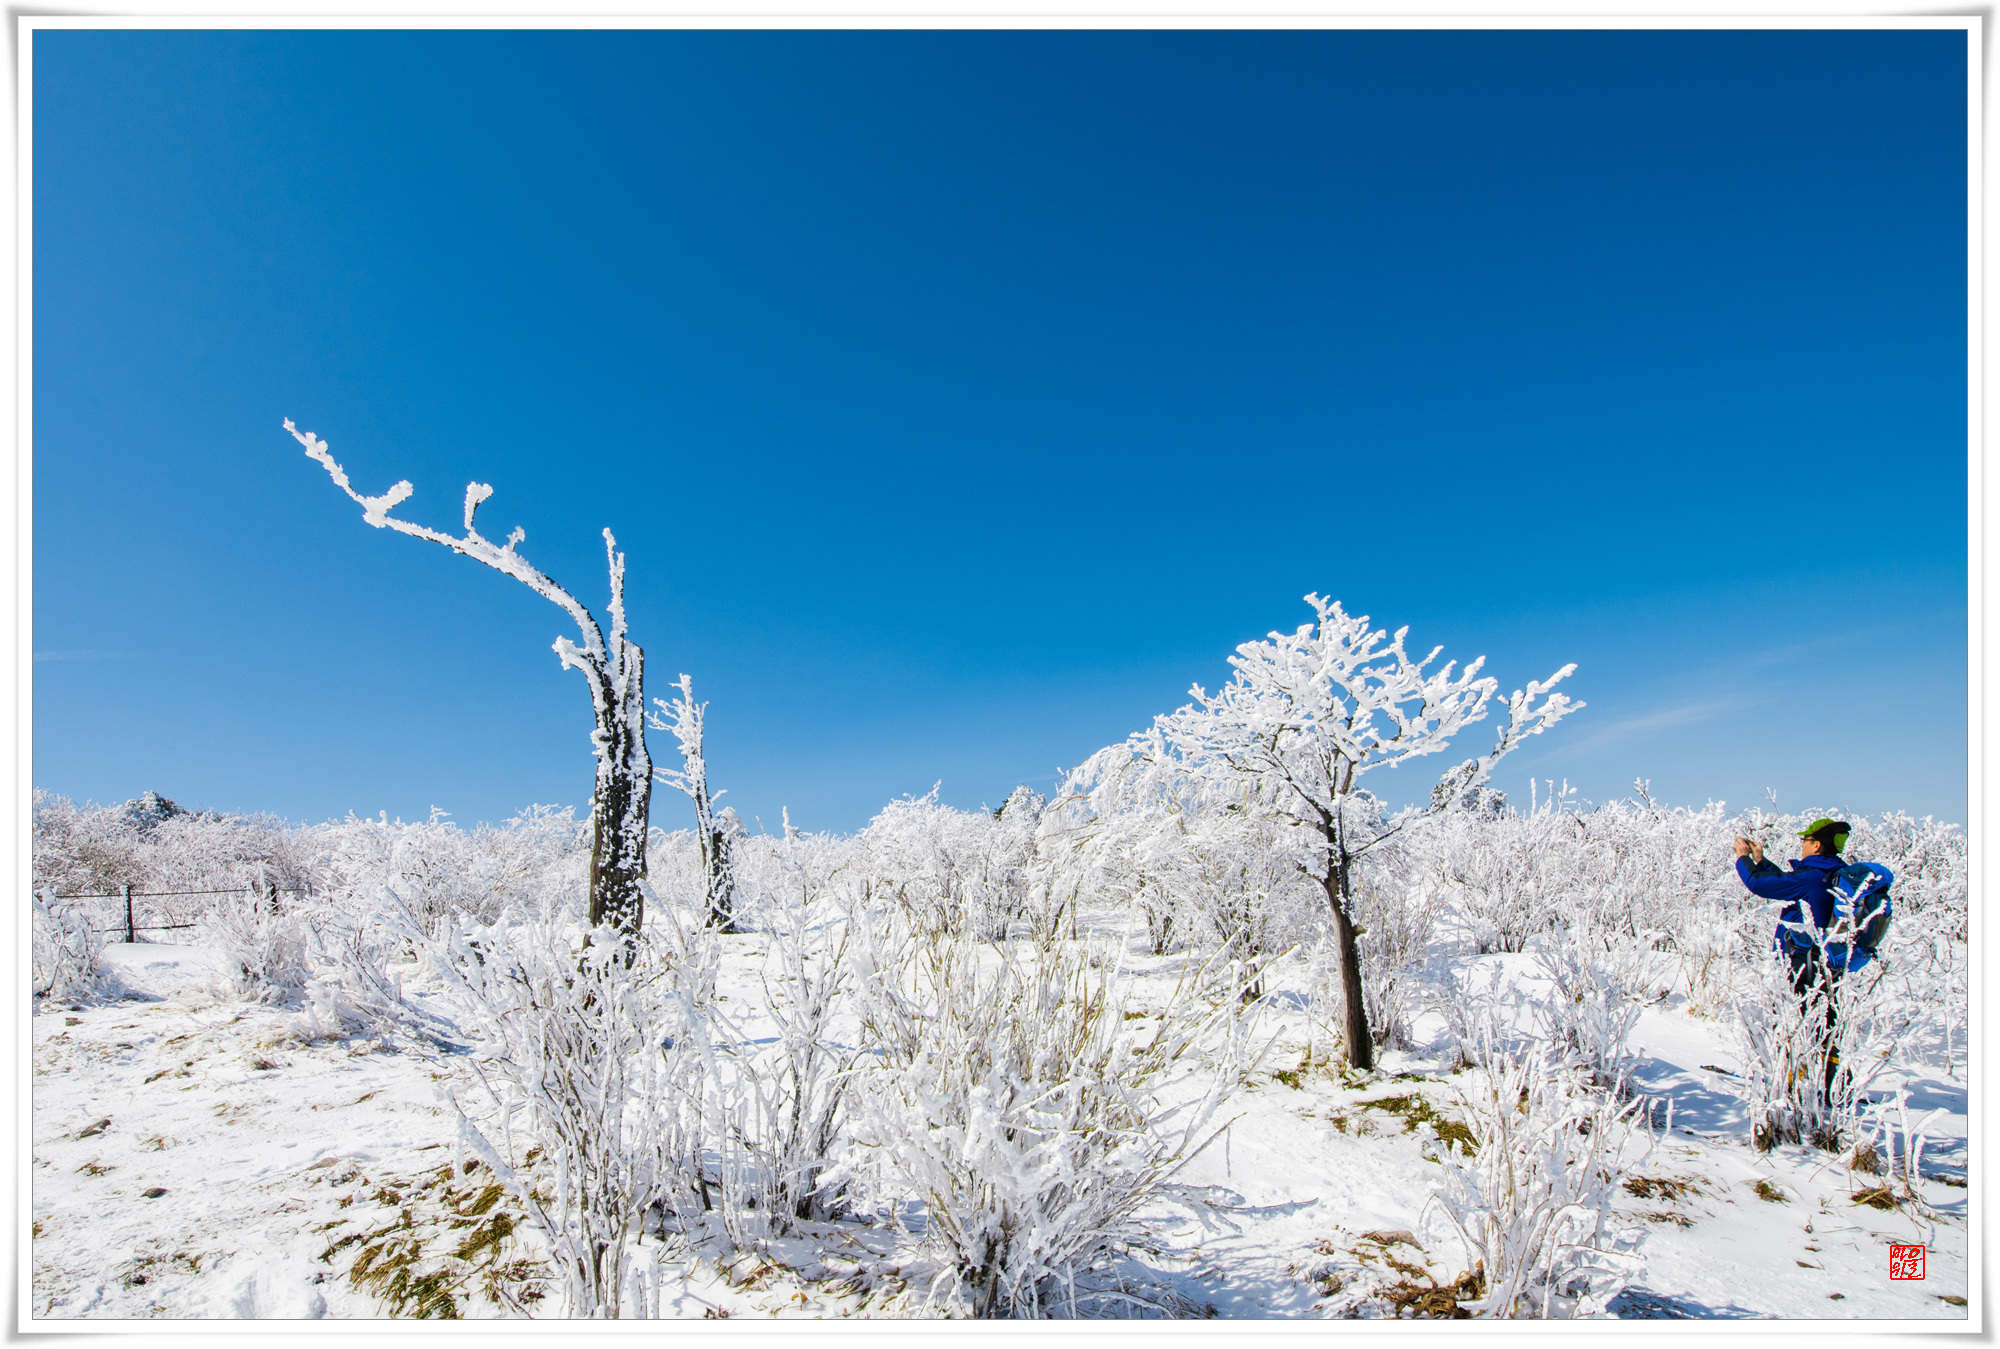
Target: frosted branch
{"points": [[590, 655]]}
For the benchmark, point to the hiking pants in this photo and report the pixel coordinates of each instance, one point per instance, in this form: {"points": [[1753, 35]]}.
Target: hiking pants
{"points": [[1809, 973]]}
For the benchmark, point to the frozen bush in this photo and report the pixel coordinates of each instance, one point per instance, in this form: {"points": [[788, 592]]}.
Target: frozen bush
{"points": [[566, 1025], [84, 850], [1586, 1016], [65, 949], [1784, 1042], [263, 944], [802, 1079], [1530, 1198], [1031, 1119], [1711, 942], [956, 871], [355, 984]]}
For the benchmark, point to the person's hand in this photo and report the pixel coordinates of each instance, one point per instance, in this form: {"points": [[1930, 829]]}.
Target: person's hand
{"points": [[1744, 847]]}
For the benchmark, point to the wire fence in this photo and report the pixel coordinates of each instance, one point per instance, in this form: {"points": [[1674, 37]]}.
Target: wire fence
{"points": [[131, 927]]}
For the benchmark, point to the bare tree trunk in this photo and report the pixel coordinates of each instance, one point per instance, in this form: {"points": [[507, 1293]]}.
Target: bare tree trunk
{"points": [[623, 799], [1339, 898], [719, 859]]}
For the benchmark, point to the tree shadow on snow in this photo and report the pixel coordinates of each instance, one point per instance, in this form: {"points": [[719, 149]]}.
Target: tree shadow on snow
{"points": [[1697, 1105], [1641, 1304]]}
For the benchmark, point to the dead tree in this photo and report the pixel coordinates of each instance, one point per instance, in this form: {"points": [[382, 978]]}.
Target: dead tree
{"points": [[612, 665], [685, 717]]}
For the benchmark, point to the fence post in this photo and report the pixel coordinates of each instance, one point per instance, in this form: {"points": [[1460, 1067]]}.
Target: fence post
{"points": [[129, 937]]}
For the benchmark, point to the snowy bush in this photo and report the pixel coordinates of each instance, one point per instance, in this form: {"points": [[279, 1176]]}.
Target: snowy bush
{"points": [[354, 984], [86, 850], [1031, 1119], [953, 871], [566, 1025], [1794, 1090], [1530, 1198], [1587, 1016], [800, 1084], [1398, 916], [264, 944], [64, 950]]}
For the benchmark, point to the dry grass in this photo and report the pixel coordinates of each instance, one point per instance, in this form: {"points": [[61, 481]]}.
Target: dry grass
{"points": [[1659, 1187], [1415, 1110], [1433, 1301], [450, 1239]]}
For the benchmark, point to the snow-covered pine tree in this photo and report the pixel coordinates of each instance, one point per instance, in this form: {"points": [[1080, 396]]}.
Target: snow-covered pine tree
{"points": [[1307, 714], [612, 665]]}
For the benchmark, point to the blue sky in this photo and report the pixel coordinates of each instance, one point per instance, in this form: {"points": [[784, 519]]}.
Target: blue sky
{"points": [[960, 398]]}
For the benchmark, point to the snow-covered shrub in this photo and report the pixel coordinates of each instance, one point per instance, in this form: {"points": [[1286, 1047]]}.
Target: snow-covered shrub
{"points": [[703, 1174], [65, 949], [1504, 874], [1397, 913], [1483, 1014], [955, 871], [354, 984], [1031, 1119], [264, 944], [84, 850], [786, 1094], [1530, 1198], [1885, 1129], [1587, 1015], [1785, 1042], [1711, 941], [540, 857], [566, 1025]]}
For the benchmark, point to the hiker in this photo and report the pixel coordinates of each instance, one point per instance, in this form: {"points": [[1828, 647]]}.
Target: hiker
{"points": [[1808, 894]]}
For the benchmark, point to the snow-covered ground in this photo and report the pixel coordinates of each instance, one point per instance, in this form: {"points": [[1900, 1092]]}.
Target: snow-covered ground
{"points": [[200, 1158]]}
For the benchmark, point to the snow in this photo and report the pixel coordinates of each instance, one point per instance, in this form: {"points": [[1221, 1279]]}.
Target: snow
{"points": [[272, 1140]]}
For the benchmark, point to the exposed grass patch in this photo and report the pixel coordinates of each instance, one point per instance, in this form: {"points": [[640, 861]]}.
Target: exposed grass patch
{"points": [[1877, 1197], [1658, 1187], [1415, 1111], [451, 1240], [1769, 1193], [1433, 1301]]}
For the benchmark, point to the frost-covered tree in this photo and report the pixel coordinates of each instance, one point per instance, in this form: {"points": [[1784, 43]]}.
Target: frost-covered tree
{"points": [[612, 665], [1307, 715], [687, 719]]}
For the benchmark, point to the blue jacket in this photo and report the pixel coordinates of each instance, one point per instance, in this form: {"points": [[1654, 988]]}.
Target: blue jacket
{"points": [[1809, 882]]}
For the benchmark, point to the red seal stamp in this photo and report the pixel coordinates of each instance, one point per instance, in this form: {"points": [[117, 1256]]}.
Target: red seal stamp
{"points": [[1906, 1262]]}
